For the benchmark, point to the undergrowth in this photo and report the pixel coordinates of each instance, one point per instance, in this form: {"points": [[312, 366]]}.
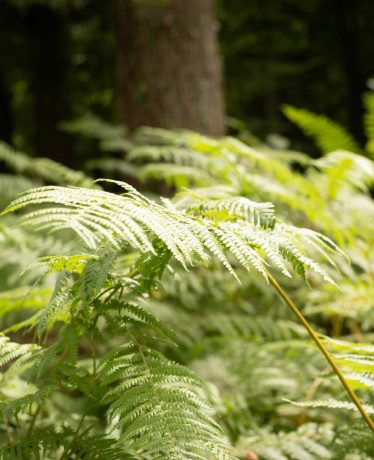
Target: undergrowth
{"points": [[153, 328]]}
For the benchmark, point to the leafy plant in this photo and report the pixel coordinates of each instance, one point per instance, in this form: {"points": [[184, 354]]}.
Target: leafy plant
{"points": [[149, 347], [329, 135]]}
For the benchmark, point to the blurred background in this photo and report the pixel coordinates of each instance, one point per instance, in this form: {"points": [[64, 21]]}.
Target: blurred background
{"points": [[80, 81], [213, 66]]}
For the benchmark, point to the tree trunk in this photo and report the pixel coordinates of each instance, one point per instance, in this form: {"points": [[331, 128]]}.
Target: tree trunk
{"points": [[48, 45], [347, 32], [169, 67], [6, 116]]}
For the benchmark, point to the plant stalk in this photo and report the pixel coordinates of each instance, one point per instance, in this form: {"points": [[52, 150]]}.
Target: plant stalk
{"points": [[66, 453], [329, 358], [33, 420]]}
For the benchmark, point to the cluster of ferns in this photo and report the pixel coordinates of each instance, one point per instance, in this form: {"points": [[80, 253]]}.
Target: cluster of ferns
{"points": [[231, 320]]}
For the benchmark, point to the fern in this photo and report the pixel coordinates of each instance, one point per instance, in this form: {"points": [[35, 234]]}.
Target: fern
{"points": [[157, 406], [43, 168], [176, 423], [329, 136], [97, 216], [284, 446], [11, 185], [357, 361], [105, 378], [110, 137], [369, 121], [44, 445], [11, 350], [12, 408]]}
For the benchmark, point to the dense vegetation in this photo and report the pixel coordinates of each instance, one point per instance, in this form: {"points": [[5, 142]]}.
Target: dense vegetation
{"points": [[176, 282], [152, 328]]}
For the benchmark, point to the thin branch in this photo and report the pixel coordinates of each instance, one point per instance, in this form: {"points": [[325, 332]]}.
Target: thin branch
{"points": [[33, 420], [9, 435], [93, 355], [323, 349], [300, 419], [66, 453]]}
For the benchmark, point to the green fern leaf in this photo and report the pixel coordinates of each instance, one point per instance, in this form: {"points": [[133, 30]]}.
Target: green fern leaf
{"points": [[329, 136]]}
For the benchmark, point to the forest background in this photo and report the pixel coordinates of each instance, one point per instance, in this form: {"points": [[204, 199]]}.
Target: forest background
{"points": [[63, 59], [230, 319]]}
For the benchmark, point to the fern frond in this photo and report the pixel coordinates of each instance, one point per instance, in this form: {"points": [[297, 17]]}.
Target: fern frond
{"points": [[369, 121], [257, 327], [95, 273], [10, 351], [40, 445], [301, 444], [13, 407], [22, 298], [11, 185], [237, 337], [158, 406], [353, 169], [159, 136], [20, 248], [46, 444], [99, 448], [97, 216], [72, 263], [17, 161], [93, 127], [45, 168], [170, 154], [113, 167], [356, 361], [261, 214], [332, 404], [328, 135], [58, 359], [59, 303], [177, 175], [132, 314]]}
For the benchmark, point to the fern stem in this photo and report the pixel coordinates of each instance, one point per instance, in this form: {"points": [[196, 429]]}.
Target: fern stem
{"points": [[33, 420], [9, 435], [66, 453], [300, 419], [329, 358], [93, 355]]}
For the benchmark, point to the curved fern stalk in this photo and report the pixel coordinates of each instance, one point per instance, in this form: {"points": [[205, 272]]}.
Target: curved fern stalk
{"points": [[329, 358]]}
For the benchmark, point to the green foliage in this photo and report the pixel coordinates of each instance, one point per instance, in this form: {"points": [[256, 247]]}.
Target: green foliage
{"points": [[138, 340], [328, 135], [40, 170], [369, 121]]}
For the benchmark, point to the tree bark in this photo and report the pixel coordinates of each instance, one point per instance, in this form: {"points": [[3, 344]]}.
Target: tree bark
{"points": [[48, 44], [6, 116], [169, 66], [347, 32]]}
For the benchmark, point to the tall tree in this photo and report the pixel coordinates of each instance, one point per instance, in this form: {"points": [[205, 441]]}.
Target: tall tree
{"points": [[169, 68], [47, 37], [5, 111]]}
